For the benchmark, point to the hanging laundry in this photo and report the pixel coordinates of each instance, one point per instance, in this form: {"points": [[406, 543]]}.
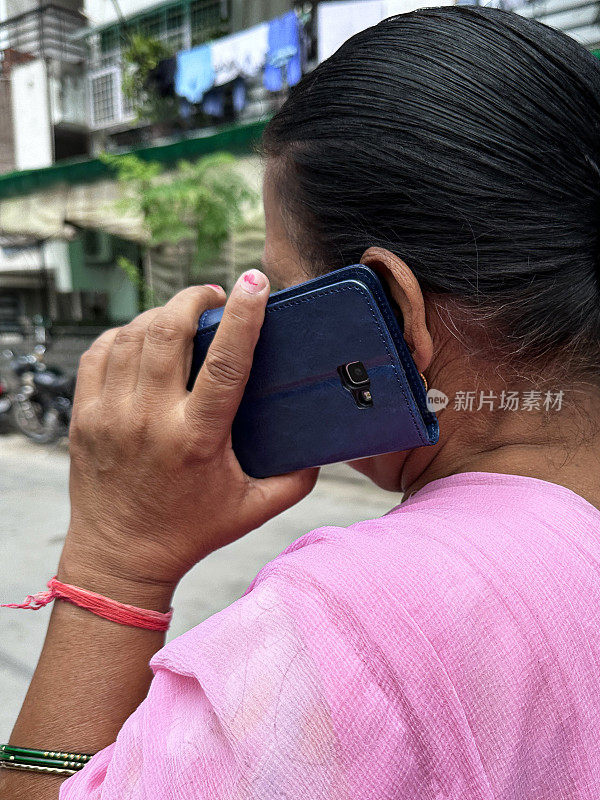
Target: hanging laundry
{"points": [[238, 92], [185, 109], [194, 74], [242, 54], [215, 100], [162, 78], [283, 57]]}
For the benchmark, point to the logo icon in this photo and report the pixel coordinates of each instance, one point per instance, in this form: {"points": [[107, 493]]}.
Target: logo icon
{"points": [[436, 400]]}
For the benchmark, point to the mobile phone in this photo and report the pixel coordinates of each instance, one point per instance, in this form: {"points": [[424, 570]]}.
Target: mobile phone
{"points": [[332, 378]]}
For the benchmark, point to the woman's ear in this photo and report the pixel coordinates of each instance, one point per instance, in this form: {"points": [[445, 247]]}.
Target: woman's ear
{"points": [[405, 290]]}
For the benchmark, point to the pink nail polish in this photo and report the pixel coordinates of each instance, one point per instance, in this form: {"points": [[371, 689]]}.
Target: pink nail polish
{"points": [[215, 286], [253, 281]]}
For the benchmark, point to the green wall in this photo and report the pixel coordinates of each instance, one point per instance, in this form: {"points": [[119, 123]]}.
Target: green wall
{"points": [[106, 277]]}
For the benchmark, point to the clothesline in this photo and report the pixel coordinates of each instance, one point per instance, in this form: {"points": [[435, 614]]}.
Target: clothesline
{"points": [[271, 48]]}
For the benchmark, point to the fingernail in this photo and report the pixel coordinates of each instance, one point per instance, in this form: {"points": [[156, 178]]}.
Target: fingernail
{"points": [[253, 281], [215, 286]]}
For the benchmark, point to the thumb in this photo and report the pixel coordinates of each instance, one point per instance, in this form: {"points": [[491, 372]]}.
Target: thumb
{"points": [[268, 497], [219, 386]]}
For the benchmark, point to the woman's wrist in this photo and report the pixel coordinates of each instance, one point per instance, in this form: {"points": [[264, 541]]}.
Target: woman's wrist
{"points": [[121, 583], [92, 673]]}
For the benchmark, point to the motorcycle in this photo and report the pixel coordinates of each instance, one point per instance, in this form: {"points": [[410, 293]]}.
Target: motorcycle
{"points": [[40, 396], [5, 406]]}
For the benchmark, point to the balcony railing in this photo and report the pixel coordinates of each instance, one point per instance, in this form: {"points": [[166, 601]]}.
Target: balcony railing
{"points": [[179, 25], [44, 32]]}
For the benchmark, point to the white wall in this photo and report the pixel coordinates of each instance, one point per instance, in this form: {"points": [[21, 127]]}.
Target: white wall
{"points": [[31, 117], [56, 257], [102, 12], [338, 20]]}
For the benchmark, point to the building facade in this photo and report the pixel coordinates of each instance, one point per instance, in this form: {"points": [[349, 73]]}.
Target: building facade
{"points": [[64, 72], [63, 99], [178, 25]]}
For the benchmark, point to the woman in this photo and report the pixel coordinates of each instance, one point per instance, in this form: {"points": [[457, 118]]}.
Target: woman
{"points": [[451, 648]]}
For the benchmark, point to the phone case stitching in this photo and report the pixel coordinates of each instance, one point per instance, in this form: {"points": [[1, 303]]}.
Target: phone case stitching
{"points": [[412, 374], [363, 293]]}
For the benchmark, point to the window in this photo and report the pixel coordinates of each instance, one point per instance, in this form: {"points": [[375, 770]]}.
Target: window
{"points": [[103, 98]]}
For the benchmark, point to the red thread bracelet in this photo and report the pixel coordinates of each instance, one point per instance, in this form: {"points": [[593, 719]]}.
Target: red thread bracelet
{"points": [[98, 604]]}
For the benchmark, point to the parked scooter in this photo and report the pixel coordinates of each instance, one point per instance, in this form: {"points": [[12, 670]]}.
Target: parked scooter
{"points": [[40, 396]]}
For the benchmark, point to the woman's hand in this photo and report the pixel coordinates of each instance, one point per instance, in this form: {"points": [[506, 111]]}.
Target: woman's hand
{"points": [[155, 485]]}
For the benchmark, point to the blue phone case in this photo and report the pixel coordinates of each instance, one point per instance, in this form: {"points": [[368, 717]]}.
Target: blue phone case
{"points": [[296, 412]]}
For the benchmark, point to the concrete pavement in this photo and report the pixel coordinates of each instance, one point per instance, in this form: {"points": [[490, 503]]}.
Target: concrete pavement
{"points": [[34, 514]]}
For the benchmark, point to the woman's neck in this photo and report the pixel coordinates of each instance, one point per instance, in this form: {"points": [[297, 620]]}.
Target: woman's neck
{"points": [[561, 447]]}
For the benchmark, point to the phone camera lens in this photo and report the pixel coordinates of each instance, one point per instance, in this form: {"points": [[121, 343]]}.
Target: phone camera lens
{"points": [[356, 373]]}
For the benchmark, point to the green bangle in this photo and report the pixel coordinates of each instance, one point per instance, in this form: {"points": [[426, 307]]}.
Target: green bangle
{"points": [[40, 762], [26, 755], [30, 768]]}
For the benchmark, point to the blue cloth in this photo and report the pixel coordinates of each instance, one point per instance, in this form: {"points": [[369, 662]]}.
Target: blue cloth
{"points": [[214, 100], [185, 108], [194, 74], [284, 53], [239, 94]]}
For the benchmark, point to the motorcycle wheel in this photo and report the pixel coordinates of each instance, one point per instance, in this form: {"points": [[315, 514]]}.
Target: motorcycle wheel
{"points": [[39, 425]]}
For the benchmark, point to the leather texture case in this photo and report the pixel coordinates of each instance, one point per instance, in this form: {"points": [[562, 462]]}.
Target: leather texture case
{"points": [[296, 412]]}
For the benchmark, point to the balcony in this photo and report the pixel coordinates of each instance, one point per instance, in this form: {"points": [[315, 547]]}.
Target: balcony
{"points": [[44, 32], [180, 25]]}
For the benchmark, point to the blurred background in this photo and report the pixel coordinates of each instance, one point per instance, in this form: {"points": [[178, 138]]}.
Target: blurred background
{"points": [[128, 170]]}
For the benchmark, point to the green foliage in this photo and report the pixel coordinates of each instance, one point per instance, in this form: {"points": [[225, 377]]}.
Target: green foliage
{"points": [[200, 201], [132, 170], [132, 272], [140, 57]]}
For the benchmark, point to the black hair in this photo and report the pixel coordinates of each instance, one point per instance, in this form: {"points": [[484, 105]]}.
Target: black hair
{"points": [[466, 140]]}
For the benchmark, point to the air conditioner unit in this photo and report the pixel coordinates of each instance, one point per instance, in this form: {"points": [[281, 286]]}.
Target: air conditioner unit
{"points": [[67, 99]]}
